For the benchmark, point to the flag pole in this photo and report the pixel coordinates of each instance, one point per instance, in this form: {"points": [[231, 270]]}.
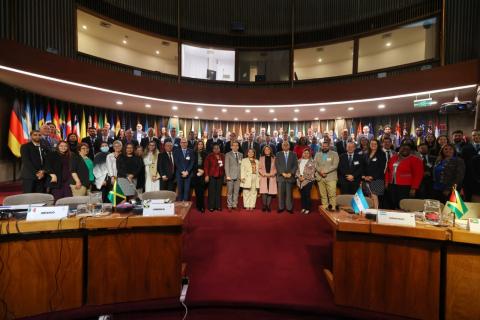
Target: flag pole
{"points": [[454, 188]]}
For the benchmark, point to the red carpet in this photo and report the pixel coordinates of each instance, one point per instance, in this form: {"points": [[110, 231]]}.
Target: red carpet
{"points": [[9, 188]]}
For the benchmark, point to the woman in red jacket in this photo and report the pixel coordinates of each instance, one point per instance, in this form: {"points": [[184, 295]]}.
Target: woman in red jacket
{"points": [[214, 167], [403, 175]]}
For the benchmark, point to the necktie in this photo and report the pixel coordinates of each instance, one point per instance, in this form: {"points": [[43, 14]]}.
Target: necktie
{"points": [[286, 157], [171, 160], [40, 152], [236, 156], [350, 159], [184, 151], [344, 144]]}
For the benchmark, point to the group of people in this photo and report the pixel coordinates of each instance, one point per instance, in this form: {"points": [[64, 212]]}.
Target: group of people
{"points": [[421, 166]]}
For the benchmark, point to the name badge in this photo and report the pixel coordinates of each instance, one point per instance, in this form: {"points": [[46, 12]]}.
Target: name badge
{"points": [[158, 207], [356, 163], [47, 213], [374, 159], [474, 225], [405, 219], [329, 159], [220, 163], [187, 158]]}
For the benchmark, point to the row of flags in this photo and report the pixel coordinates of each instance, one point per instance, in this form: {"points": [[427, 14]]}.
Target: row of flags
{"points": [[31, 112]]}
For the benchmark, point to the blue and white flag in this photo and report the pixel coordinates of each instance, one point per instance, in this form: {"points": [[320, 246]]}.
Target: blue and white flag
{"points": [[359, 203]]}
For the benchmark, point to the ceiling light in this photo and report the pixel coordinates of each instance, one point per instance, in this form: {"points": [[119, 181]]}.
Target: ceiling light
{"points": [[124, 41], [295, 119], [84, 27], [296, 110], [316, 118], [175, 116], [196, 117], [216, 118], [319, 59], [255, 119], [235, 119], [147, 105], [247, 110], [119, 102], [350, 108], [174, 108], [275, 119], [157, 52], [224, 110], [322, 109], [388, 44], [199, 109], [381, 106], [271, 110]]}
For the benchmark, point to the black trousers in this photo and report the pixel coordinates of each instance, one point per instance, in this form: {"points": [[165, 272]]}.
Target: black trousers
{"points": [[305, 196], [215, 193], [198, 183], [349, 187], [33, 186], [168, 185], [398, 193], [425, 189]]}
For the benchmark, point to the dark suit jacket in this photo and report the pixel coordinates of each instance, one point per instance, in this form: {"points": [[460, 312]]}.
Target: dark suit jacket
{"points": [[256, 147], [339, 147], [356, 169], [181, 162], [176, 141], [282, 167], [99, 141], [209, 146], [279, 146], [375, 166], [31, 161], [133, 141], [92, 146], [164, 166], [145, 141]]}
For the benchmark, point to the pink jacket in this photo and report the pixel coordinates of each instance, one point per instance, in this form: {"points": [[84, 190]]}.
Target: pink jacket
{"points": [[272, 184]]}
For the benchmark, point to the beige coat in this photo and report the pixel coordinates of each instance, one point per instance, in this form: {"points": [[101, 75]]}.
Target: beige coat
{"points": [[329, 166], [247, 176]]}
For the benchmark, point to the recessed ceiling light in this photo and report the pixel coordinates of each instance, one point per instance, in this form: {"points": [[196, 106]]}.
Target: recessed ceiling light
{"points": [[124, 41], [235, 119], [381, 106], [322, 109], [247, 110], [147, 105], [255, 119], [271, 110], [388, 44], [119, 102], [196, 117], [319, 59], [350, 108], [275, 119], [296, 110], [84, 27], [157, 52], [174, 108], [339, 118], [199, 109], [175, 116], [224, 110], [295, 119], [216, 118], [316, 118]]}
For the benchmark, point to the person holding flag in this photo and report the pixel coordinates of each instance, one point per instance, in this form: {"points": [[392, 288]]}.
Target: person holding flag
{"points": [[448, 171]]}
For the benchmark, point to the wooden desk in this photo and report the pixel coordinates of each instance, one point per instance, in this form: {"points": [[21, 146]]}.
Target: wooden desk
{"points": [[386, 269], [50, 266], [463, 276]]}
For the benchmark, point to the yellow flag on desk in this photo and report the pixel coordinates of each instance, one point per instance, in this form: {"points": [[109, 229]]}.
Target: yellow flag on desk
{"points": [[116, 192]]}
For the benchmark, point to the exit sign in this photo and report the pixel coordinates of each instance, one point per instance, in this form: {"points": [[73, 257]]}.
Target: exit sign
{"points": [[422, 103]]}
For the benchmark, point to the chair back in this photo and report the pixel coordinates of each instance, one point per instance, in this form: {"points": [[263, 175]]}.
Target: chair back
{"points": [[72, 201], [162, 194], [28, 198], [345, 200], [413, 205]]}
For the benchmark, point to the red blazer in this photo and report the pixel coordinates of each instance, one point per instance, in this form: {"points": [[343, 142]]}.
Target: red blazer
{"points": [[409, 172], [212, 167]]}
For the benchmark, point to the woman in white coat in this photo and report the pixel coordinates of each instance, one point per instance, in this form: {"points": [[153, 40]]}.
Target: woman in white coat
{"points": [[249, 179], [152, 177]]}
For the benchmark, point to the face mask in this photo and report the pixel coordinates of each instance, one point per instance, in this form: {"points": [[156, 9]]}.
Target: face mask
{"points": [[104, 149]]}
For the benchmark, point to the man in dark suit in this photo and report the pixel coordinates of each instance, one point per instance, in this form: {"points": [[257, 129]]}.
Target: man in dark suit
{"points": [[286, 165], [341, 144], [150, 137], [33, 157], [91, 140], [285, 138], [184, 159], [129, 139], [192, 142], [139, 134], [166, 168], [173, 138], [104, 137], [270, 143], [228, 145], [250, 144], [425, 189], [350, 170], [214, 139]]}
